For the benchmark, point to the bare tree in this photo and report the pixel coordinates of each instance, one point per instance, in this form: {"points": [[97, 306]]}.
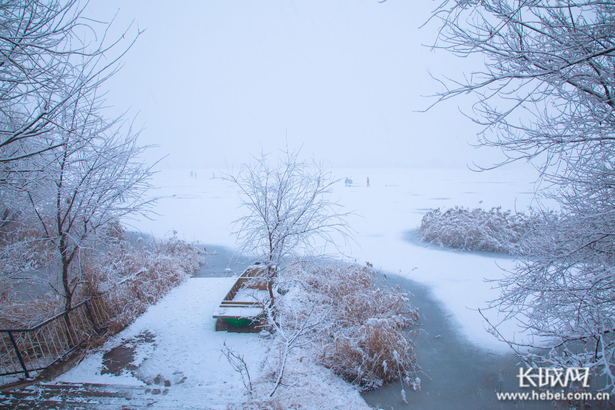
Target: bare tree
{"points": [[66, 172], [289, 211], [92, 180], [46, 62], [546, 95]]}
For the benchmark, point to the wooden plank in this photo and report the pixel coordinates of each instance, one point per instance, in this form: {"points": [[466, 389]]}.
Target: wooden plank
{"points": [[224, 305]]}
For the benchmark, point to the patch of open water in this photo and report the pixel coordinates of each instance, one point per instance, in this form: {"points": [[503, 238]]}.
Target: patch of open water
{"points": [[455, 373]]}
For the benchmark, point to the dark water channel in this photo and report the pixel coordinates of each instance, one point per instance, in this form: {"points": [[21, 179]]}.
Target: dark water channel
{"points": [[455, 373], [222, 262]]}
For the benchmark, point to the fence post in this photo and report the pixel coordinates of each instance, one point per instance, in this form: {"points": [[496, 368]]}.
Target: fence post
{"points": [[88, 314], [23, 365]]}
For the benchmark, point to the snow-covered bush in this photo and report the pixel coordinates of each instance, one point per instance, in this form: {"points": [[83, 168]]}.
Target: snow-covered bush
{"points": [[23, 313], [477, 229], [129, 280], [126, 279], [361, 328], [22, 246], [189, 257]]}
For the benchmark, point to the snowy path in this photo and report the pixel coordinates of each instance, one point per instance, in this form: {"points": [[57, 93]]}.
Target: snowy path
{"points": [[174, 346], [185, 351]]}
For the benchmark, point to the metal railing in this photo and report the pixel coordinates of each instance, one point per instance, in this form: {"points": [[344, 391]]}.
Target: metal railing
{"points": [[34, 349], [25, 351]]}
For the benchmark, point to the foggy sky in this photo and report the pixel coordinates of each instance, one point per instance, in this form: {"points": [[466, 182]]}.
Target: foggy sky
{"points": [[212, 82]]}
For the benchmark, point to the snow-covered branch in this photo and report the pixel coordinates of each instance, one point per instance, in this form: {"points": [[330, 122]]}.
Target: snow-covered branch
{"points": [[546, 95], [289, 212]]}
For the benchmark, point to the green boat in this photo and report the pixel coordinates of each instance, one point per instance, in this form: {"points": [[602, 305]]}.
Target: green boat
{"points": [[242, 309]]}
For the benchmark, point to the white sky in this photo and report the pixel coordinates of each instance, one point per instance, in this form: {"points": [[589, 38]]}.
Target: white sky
{"points": [[215, 81]]}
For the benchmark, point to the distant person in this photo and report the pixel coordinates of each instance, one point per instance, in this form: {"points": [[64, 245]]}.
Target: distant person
{"points": [[368, 181], [190, 174], [348, 182]]}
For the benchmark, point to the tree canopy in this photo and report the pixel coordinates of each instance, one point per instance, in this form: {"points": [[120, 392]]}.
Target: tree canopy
{"points": [[546, 95]]}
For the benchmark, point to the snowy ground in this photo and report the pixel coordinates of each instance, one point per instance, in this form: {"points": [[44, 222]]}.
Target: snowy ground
{"points": [[176, 347], [387, 213]]}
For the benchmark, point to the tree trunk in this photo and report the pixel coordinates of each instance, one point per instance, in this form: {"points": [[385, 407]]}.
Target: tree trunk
{"points": [[270, 282], [68, 295]]}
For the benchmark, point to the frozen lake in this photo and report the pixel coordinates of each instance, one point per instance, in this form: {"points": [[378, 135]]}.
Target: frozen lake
{"points": [[202, 208], [463, 364]]}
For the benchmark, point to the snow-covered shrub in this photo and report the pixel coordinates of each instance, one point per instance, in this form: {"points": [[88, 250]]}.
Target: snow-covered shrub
{"points": [[189, 257], [22, 246], [477, 229], [24, 313], [362, 333], [129, 280]]}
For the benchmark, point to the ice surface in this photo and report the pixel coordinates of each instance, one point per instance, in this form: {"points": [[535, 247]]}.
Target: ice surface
{"points": [[386, 212]]}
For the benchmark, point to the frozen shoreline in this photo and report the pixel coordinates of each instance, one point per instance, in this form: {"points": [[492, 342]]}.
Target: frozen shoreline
{"points": [[456, 372], [384, 213], [185, 349]]}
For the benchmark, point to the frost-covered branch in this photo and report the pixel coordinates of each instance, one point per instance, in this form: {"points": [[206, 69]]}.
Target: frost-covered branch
{"points": [[50, 54], [546, 95], [238, 364], [289, 212]]}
